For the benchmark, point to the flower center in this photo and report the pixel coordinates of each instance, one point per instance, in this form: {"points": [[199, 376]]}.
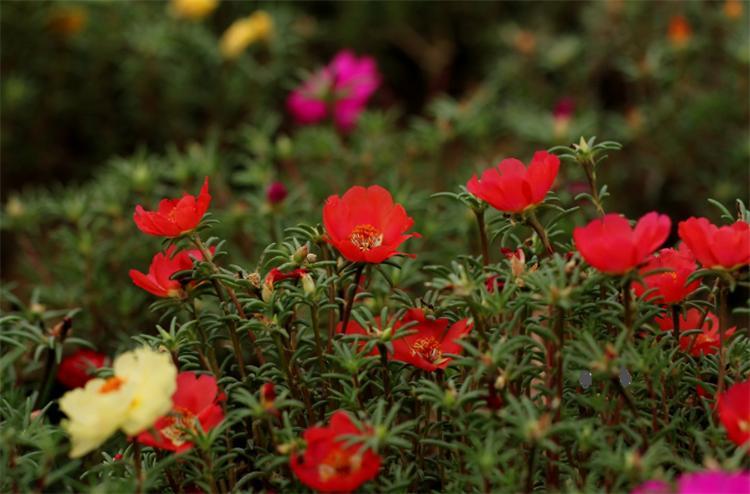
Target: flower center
{"points": [[179, 425], [338, 462], [366, 237], [428, 348], [111, 384]]}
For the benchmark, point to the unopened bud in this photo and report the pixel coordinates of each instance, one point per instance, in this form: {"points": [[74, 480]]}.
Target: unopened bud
{"points": [[308, 284], [301, 254], [311, 258], [267, 292]]}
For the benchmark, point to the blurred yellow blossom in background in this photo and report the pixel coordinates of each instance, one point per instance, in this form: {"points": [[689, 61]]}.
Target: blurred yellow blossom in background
{"points": [[733, 9], [192, 9], [243, 32], [139, 392]]}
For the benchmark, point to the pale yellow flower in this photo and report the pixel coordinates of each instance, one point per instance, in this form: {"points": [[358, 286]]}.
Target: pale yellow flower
{"points": [[132, 400], [243, 32], [192, 9]]}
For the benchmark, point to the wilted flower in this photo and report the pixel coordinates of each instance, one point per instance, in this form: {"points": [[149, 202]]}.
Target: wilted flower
{"points": [[139, 392], [610, 245], [244, 32], [340, 90], [329, 464], [163, 266], [77, 369], [734, 413], [669, 287], [726, 247], [705, 343], [512, 187], [192, 9], [197, 401], [174, 217], [365, 225]]}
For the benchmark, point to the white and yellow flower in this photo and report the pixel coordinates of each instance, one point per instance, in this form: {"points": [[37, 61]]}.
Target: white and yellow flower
{"points": [[139, 392]]}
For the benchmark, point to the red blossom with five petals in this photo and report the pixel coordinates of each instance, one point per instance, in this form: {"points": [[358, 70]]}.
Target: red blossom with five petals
{"points": [[365, 225], [196, 402], [429, 342], [163, 266], [512, 187], [610, 245], [726, 247], [329, 463], [734, 412], [705, 343], [174, 217], [668, 287]]}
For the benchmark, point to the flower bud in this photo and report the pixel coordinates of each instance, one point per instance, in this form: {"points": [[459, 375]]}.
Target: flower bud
{"points": [[276, 193], [301, 254], [267, 292], [308, 284]]}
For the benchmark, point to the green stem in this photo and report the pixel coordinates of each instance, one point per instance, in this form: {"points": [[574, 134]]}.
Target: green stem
{"points": [[530, 471], [350, 298], [721, 308], [318, 340], [588, 168], [627, 302], [534, 223], [386, 376], [50, 364], [138, 467], [479, 213], [676, 324]]}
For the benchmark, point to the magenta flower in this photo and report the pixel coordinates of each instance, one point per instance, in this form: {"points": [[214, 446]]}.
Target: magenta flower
{"points": [[715, 482], [340, 90]]}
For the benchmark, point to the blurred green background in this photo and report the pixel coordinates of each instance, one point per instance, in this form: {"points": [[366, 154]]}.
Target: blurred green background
{"points": [[106, 105]]}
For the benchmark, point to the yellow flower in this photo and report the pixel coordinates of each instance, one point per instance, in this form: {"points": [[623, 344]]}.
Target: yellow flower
{"points": [[192, 9], [132, 400], [243, 32]]}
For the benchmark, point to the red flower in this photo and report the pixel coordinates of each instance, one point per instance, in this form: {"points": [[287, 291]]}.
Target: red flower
{"points": [[196, 401], [610, 245], [76, 369], [725, 247], [734, 412], [329, 464], [175, 217], [429, 342], [669, 287], [513, 188], [365, 225], [705, 343], [159, 280], [276, 275]]}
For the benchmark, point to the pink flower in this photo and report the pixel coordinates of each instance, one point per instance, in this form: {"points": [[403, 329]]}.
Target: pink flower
{"points": [[339, 90]]}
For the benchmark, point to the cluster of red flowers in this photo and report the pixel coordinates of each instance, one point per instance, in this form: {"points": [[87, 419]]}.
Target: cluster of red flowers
{"points": [[366, 226]]}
